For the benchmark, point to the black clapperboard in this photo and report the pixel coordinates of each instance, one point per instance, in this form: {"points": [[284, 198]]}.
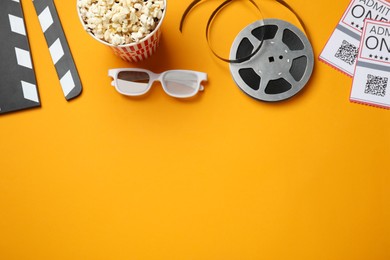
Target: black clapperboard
{"points": [[18, 87]]}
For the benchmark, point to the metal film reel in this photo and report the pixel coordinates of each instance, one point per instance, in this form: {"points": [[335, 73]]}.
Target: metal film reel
{"points": [[282, 66]]}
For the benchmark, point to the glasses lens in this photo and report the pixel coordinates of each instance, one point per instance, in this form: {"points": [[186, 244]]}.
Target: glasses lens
{"points": [[133, 82], [181, 83]]}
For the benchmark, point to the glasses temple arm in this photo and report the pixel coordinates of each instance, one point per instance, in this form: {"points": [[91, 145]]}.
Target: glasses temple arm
{"points": [[111, 74]]}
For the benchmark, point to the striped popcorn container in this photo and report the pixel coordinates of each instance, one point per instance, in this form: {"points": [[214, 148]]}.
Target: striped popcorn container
{"points": [[137, 51]]}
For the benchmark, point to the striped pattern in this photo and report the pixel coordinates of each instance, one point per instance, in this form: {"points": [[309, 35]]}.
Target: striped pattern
{"points": [[18, 88], [140, 51], [59, 48], [23, 58], [30, 91], [17, 24]]}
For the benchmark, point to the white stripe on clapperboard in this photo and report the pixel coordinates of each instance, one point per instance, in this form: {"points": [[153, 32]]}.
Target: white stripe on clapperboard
{"points": [[56, 51], [23, 57], [17, 25], [30, 91]]}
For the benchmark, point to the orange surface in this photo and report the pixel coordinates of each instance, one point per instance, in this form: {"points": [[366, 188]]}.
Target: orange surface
{"points": [[220, 176]]}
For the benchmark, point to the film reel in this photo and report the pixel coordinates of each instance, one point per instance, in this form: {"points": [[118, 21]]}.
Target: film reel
{"points": [[282, 66]]}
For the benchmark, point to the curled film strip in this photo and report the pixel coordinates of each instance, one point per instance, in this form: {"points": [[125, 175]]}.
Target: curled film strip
{"points": [[270, 59], [59, 48], [18, 88], [208, 28]]}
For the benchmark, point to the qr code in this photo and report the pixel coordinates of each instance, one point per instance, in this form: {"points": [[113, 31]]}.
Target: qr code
{"points": [[347, 52], [376, 85]]}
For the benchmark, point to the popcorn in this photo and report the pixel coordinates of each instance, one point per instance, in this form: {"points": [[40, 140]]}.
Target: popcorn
{"points": [[121, 22]]}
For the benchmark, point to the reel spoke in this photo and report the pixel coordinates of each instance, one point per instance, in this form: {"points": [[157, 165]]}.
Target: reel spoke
{"points": [[278, 36], [290, 79], [263, 85], [254, 41], [297, 54]]}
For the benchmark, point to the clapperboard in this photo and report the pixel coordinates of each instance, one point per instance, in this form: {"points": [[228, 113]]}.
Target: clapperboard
{"points": [[18, 86]]}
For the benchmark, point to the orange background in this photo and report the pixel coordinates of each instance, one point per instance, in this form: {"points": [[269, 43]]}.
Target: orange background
{"points": [[221, 176]]}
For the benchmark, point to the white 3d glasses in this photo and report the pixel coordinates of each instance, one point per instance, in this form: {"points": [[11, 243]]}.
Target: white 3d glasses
{"points": [[176, 83]]}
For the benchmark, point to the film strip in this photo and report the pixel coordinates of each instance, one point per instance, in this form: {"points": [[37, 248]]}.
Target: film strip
{"points": [[270, 60], [59, 48], [18, 87]]}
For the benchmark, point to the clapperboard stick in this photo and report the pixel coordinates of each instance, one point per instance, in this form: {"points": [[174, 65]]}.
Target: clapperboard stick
{"points": [[18, 88], [59, 48]]}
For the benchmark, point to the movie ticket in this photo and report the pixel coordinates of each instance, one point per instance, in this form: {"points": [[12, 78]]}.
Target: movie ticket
{"points": [[342, 48], [372, 71]]}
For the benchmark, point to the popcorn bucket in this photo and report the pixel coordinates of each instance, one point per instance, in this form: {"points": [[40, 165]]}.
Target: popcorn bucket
{"points": [[136, 51]]}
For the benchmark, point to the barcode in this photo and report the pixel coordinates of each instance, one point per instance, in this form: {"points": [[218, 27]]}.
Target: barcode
{"points": [[376, 85], [347, 52]]}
